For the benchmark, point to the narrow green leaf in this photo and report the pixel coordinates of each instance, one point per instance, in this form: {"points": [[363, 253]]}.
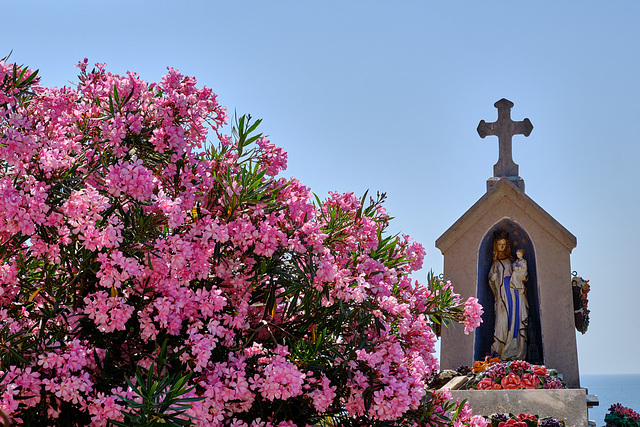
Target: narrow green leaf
{"points": [[115, 94]]}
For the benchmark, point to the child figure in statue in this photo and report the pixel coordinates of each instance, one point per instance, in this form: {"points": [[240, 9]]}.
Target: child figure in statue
{"points": [[520, 265], [506, 279], [517, 344]]}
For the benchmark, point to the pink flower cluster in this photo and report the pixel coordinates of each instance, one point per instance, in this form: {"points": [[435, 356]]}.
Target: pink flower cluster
{"points": [[472, 314], [455, 412], [440, 296], [120, 235], [108, 313], [131, 179], [278, 378]]}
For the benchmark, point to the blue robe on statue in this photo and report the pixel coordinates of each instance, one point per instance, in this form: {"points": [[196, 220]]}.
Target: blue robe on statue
{"points": [[510, 308]]}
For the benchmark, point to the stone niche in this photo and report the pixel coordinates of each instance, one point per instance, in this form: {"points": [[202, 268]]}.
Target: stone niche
{"points": [[467, 249]]}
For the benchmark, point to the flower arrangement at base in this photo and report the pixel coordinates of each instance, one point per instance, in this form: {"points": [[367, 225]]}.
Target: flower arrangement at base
{"points": [[523, 420], [513, 375], [621, 416]]}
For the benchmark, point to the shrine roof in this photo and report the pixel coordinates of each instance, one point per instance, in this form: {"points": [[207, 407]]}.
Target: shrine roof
{"points": [[521, 209]]}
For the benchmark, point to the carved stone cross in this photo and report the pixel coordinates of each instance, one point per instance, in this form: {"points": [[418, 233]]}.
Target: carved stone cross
{"points": [[504, 128]]}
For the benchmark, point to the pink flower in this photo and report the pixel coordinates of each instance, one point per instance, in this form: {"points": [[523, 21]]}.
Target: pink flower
{"points": [[274, 158], [280, 378], [323, 396], [478, 421], [109, 313], [132, 179], [103, 407], [472, 314]]}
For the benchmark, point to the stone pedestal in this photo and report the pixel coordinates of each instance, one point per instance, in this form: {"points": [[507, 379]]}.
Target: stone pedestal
{"points": [[568, 405]]}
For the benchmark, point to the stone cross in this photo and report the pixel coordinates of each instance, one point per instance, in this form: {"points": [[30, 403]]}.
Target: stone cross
{"points": [[504, 128]]}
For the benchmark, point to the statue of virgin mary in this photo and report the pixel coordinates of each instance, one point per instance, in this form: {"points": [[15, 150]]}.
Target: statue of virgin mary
{"points": [[510, 306]]}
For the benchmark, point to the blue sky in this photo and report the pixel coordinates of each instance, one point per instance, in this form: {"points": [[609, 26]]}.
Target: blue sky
{"points": [[386, 96]]}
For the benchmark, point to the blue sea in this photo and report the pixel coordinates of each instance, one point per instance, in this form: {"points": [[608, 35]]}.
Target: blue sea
{"points": [[610, 389]]}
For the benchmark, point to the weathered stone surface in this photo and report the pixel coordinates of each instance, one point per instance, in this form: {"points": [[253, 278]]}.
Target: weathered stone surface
{"points": [[456, 383], [518, 181], [443, 378], [569, 405], [592, 400]]}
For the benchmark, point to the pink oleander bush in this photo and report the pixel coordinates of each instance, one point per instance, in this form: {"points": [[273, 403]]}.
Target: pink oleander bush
{"points": [[491, 374], [149, 276]]}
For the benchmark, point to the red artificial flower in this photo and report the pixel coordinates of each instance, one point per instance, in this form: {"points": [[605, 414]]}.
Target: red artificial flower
{"points": [[530, 381], [486, 384], [529, 417], [539, 370], [519, 365], [510, 382]]}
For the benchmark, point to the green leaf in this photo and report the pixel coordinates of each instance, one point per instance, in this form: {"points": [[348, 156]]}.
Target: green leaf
{"points": [[115, 94]]}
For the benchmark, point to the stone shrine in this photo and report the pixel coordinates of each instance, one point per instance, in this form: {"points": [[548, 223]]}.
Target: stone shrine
{"points": [[515, 258]]}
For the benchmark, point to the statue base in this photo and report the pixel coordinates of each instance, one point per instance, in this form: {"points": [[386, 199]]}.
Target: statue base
{"points": [[568, 405]]}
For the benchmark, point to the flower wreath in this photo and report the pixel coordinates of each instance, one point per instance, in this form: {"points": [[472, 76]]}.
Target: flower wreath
{"points": [[581, 312]]}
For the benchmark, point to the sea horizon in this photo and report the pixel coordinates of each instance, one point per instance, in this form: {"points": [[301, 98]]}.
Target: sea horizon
{"points": [[611, 389]]}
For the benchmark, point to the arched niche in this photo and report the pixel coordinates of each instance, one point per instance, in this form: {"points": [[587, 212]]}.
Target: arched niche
{"points": [[519, 239]]}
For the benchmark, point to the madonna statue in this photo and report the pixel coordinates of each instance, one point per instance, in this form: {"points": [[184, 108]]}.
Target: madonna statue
{"points": [[506, 279]]}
